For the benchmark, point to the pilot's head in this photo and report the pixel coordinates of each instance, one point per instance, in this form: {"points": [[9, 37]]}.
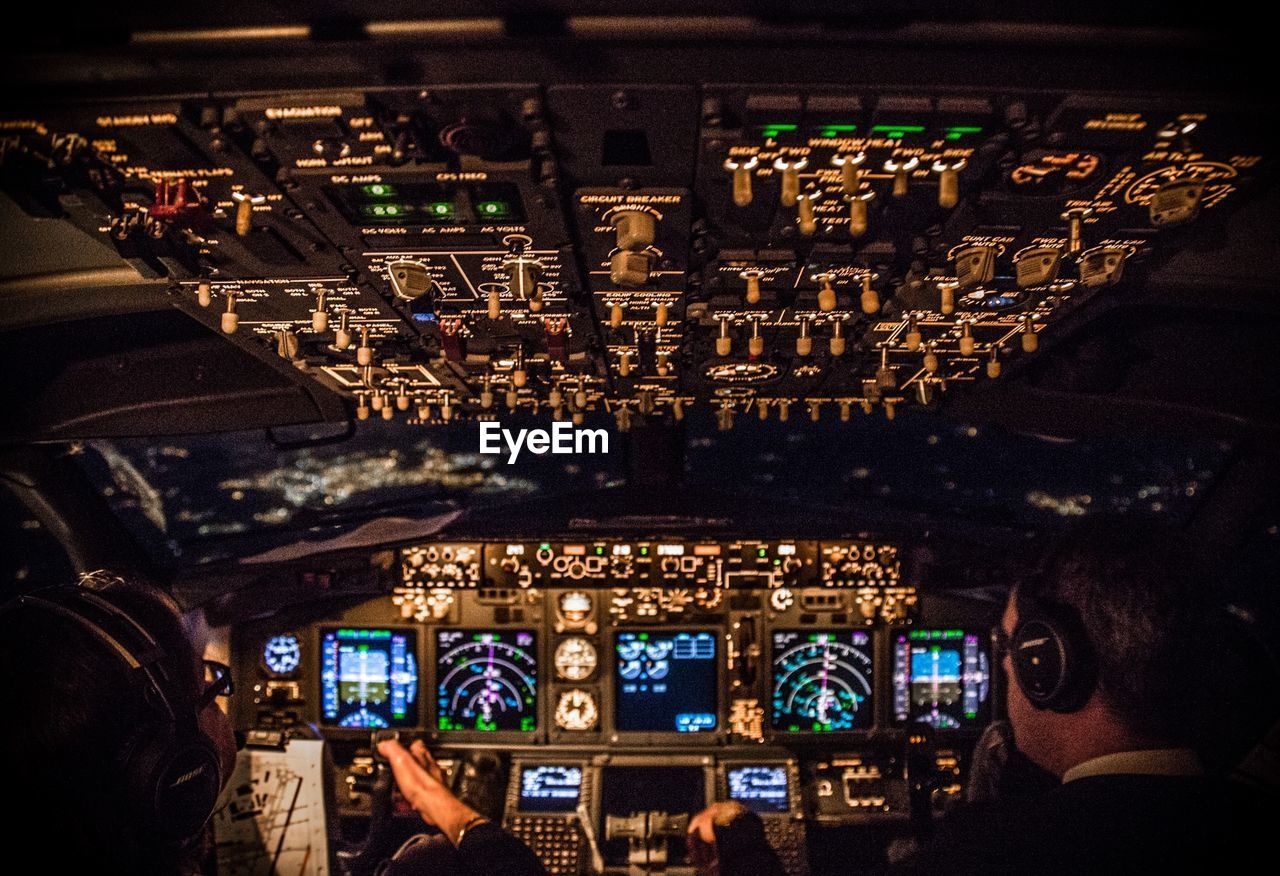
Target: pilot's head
{"points": [[112, 731], [1100, 648]]}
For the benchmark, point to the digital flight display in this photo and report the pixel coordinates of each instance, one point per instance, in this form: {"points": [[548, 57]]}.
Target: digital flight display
{"points": [[760, 788], [821, 681], [941, 678], [666, 682], [486, 680], [550, 788], [368, 677]]}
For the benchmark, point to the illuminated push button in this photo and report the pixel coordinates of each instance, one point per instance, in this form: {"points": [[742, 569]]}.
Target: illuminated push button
{"points": [[1037, 266], [948, 182], [859, 210], [850, 165], [975, 265], [628, 268], [789, 192], [741, 170], [805, 215], [901, 171], [752, 276], [635, 229], [1075, 228]]}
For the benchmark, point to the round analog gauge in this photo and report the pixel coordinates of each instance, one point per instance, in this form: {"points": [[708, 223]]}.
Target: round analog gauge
{"points": [[575, 608], [282, 654], [577, 710], [575, 659]]}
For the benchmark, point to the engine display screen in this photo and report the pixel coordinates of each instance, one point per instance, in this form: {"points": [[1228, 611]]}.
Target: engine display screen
{"points": [[760, 788], [666, 682], [550, 788], [821, 681], [486, 680], [368, 677], [940, 677]]}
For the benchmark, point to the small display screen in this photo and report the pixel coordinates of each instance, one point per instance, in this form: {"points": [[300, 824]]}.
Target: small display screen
{"points": [[368, 677], [822, 681], [760, 788], [550, 788], [941, 678], [666, 682], [486, 680]]}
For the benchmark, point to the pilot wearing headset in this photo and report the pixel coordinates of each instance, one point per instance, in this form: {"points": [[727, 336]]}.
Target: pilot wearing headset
{"points": [[1107, 661], [115, 748]]}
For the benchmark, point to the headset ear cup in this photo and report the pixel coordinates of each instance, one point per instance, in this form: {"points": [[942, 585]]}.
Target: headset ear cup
{"points": [[173, 785], [1051, 660]]}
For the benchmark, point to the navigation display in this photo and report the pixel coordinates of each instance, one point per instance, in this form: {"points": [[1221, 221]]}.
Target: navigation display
{"points": [[760, 788], [486, 680], [666, 682], [821, 681], [368, 677], [940, 677], [550, 788]]}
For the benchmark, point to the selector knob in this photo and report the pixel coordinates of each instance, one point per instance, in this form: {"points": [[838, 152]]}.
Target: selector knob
{"points": [[741, 170], [524, 273], [975, 265], [628, 268], [635, 229]]}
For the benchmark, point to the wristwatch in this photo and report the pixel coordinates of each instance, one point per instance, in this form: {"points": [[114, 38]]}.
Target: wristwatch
{"points": [[479, 819]]}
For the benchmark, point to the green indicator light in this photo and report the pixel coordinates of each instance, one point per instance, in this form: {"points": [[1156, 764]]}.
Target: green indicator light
{"points": [[545, 546], [762, 553], [379, 190], [897, 132], [599, 552], [440, 208], [964, 129], [837, 130], [492, 208], [644, 552], [642, 636], [385, 211], [771, 131]]}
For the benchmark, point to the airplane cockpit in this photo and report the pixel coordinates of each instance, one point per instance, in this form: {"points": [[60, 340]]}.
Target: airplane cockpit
{"points": [[644, 412]]}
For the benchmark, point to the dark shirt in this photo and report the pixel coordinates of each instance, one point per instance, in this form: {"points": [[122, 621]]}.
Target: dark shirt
{"points": [[1105, 824], [485, 850]]}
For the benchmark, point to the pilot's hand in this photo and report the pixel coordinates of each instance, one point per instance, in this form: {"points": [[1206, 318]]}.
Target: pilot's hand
{"points": [[702, 835], [422, 783]]}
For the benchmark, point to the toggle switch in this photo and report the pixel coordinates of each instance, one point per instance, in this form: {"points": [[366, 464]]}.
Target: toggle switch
{"points": [[230, 319], [886, 377], [752, 276], [580, 396], [512, 399], [815, 411], [724, 418], [615, 316], [320, 316], [388, 412], [1075, 228], [342, 337], [495, 304], [993, 364], [677, 409], [789, 192], [806, 218], [364, 352], [947, 297], [966, 337], [424, 412], [1102, 265], [859, 205], [1037, 265], [409, 280], [949, 181], [519, 373], [624, 363], [1030, 340], [762, 409], [827, 292], [628, 268], [913, 337], [837, 338], [870, 298], [930, 358], [846, 409], [1176, 202], [204, 293], [741, 170], [975, 265], [362, 407], [245, 203], [486, 395], [804, 343], [623, 417], [661, 313], [635, 229], [901, 171], [724, 343], [755, 346], [555, 397], [850, 165]]}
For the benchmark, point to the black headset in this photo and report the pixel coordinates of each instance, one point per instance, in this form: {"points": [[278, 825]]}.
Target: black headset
{"points": [[1054, 662], [171, 767]]}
